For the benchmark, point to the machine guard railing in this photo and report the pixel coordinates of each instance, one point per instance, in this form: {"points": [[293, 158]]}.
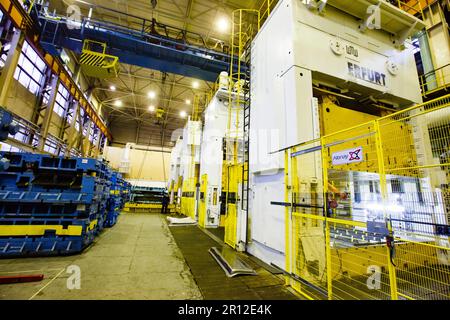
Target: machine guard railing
{"points": [[435, 80], [368, 209]]}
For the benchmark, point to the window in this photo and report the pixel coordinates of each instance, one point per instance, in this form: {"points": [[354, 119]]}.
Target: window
{"points": [[85, 129], [46, 95], [9, 148], [35, 142], [30, 69], [75, 153], [397, 186], [71, 112], [22, 135], [62, 150], [357, 191], [374, 187], [92, 132], [62, 97], [96, 136], [51, 146], [78, 124], [4, 55]]}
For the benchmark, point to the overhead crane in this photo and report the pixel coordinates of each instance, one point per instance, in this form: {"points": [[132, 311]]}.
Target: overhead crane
{"points": [[142, 46]]}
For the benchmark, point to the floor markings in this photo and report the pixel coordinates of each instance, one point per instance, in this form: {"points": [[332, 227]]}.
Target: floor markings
{"points": [[48, 283]]}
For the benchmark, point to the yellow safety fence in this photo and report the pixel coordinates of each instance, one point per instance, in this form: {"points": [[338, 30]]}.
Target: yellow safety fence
{"points": [[435, 80], [368, 209]]}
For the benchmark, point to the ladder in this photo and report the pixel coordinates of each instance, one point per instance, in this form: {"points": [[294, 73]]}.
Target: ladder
{"points": [[246, 125]]}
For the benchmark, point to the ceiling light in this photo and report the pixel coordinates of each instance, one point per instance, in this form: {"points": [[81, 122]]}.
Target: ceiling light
{"points": [[151, 108], [112, 88], [188, 101], [152, 95], [118, 103], [222, 24], [183, 114], [195, 84]]}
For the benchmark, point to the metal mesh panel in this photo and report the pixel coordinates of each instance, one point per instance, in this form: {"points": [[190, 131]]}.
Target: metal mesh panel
{"points": [[374, 201], [358, 263], [308, 251]]}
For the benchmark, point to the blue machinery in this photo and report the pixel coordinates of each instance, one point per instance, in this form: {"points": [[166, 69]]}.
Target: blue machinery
{"points": [[119, 195], [56, 205], [143, 47]]}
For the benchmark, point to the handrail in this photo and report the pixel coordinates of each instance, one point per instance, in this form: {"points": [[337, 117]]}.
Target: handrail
{"points": [[147, 26], [92, 24], [440, 80], [407, 6], [266, 5], [434, 71]]}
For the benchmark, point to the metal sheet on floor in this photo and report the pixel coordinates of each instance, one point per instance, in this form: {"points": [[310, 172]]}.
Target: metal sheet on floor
{"points": [[229, 261]]}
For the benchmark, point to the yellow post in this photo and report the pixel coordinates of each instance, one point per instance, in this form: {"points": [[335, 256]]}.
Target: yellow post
{"points": [[384, 195], [327, 225], [294, 192], [286, 217]]}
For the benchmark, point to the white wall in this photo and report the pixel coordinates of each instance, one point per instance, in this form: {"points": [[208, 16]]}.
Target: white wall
{"points": [[144, 165]]}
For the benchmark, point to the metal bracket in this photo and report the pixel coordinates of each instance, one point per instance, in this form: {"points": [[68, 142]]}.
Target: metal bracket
{"points": [[318, 5], [401, 38]]}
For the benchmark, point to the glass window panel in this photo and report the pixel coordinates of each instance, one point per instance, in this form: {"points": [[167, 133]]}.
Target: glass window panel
{"points": [[24, 79], [33, 87]]}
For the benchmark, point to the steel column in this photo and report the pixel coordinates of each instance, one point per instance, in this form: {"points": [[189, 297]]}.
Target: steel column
{"points": [[45, 126], [8, 70]]}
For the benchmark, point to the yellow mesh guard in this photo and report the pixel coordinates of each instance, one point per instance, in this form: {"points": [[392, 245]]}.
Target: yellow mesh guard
{"points": [[372, 203]]}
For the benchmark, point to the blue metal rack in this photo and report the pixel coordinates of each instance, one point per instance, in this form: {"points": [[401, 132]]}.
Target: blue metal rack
{"points": [[46, 245], [119, 195], [18, 160], [56, 205]]}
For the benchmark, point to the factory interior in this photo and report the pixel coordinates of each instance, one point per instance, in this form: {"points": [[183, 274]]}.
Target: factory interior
{"points": [[225, 150]]}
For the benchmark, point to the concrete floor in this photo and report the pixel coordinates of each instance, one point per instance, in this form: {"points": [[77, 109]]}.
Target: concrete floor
{"points": [[137, 259]]}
